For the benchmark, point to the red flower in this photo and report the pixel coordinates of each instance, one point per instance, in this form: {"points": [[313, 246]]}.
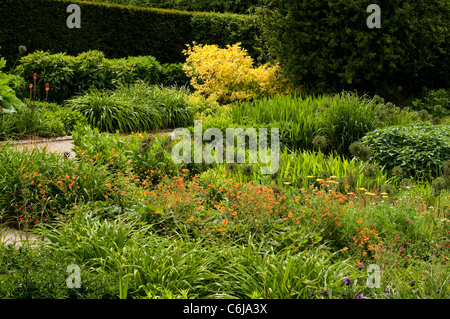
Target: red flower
{"points": [[34, 75], [446, 259], [31, 85], [47, 86]]}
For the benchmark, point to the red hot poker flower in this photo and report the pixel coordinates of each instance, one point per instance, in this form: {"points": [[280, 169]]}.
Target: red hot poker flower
{"points": [[47, 86], [34, 75]]}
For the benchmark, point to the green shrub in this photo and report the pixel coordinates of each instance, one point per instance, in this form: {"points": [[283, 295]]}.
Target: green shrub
{"points": [[116, 30], [173, 74], [436, 102], [20, 86], [418, 149], [69, 76], [326, 45], [8, 99]]}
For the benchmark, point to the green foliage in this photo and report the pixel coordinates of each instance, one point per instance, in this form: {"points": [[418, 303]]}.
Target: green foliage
{"points": [[436, 102], [20, 86], [134, 108], [48, 120], [341, 119], [231, 6], [304, 169], [139, 31], [327, 46], [347, 120], [418, 149], [8, 99], [69, 76], [146, 157], [27, 273]]}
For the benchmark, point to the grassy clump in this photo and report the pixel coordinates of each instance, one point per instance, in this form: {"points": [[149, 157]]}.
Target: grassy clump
{"points": [[134, 108]]}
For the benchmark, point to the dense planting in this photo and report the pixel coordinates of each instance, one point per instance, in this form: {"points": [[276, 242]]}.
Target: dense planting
{"points": [[327, 45], [139, 31], [359, 182]]}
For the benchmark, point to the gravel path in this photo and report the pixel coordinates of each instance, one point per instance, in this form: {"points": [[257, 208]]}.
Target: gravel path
{"points": [[63, 145]]}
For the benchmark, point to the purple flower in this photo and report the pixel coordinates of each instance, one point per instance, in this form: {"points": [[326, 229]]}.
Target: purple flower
{"points": [[347, 280], [361, 265], [324, 292], [359, 296], [312, 293]]}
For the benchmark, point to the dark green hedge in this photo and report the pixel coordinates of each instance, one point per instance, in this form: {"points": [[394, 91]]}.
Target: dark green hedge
{"points": [[116, 30], [231, 6], [326, 45]]}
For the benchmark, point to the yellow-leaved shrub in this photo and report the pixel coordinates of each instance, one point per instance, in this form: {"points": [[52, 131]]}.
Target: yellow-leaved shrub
{"points": [[227, 75]]}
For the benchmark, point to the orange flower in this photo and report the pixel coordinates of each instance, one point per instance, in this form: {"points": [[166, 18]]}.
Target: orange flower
{"points": [[234, 213], [359, 221], [42, 192], [345, 248], [225, 222]]}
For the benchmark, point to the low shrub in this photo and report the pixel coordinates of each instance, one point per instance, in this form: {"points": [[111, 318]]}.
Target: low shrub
{"points": [[435, 102], [8, 99], [72, 75], [420, 150], [227, 75]]}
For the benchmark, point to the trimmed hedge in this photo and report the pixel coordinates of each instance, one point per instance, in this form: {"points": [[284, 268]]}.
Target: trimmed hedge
{"points": [[116, 30], [231, 6], [326, 46]]}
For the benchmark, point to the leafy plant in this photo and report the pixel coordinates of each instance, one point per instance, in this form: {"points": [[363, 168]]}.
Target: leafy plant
{"points": [[8, 99], [419, 149]]}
